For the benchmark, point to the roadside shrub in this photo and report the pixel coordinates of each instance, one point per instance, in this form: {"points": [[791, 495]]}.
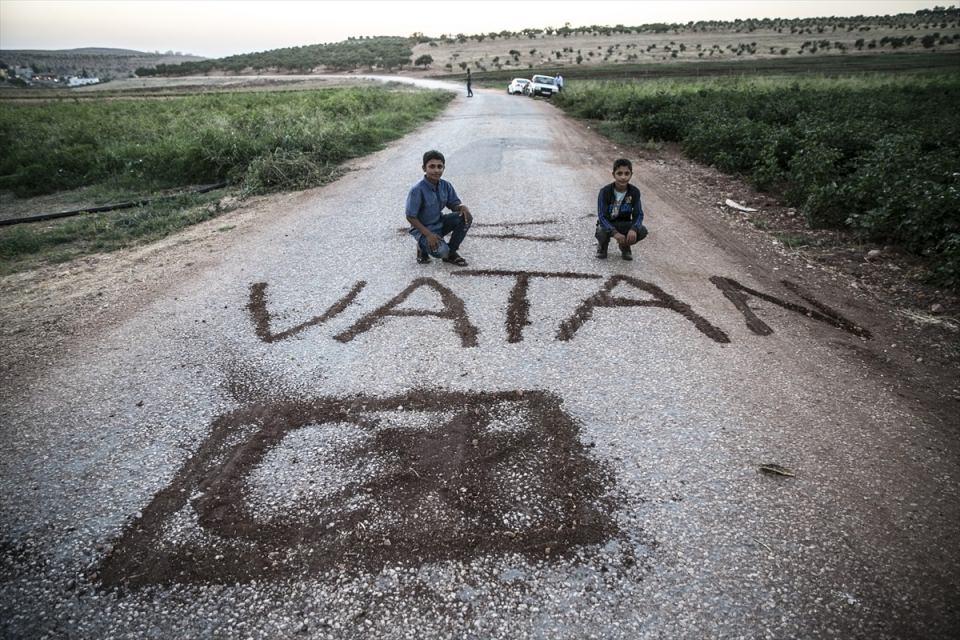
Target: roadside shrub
{"points": [[282, 169], [659, 126], [911, 197], [729, 143], [878, 154], [18, 242], [772, 168]]}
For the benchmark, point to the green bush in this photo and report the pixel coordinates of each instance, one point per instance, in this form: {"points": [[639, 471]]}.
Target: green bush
{"points": [[282, 168], [731, 144], [878, 154]]}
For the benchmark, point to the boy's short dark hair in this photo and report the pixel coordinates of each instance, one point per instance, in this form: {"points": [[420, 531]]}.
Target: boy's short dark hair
{"points": [[619, 162], [433, 154]]}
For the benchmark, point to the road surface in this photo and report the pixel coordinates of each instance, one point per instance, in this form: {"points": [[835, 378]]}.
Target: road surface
{"points": [[314, 436]]}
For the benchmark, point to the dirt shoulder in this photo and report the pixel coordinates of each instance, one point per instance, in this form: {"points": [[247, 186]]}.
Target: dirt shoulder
{"points": [[46, 310]]}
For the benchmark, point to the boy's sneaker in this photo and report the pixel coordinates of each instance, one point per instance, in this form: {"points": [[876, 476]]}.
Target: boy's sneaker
{"points": [[602, 251], [422, 256], [626, 254], [455, 259]]}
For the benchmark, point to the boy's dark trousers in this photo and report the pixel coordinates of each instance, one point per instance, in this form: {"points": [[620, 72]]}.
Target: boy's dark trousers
{"points": [[623, 226], [454, 224]]}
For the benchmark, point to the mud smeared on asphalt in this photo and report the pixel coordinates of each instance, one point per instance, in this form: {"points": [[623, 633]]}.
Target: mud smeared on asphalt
{"points": [[661, 298], [408, 479], [737, 294], [497, 225], [261, 317], [510, 235], [453, 309], [516, 236], [525, 223], [518, 309]]}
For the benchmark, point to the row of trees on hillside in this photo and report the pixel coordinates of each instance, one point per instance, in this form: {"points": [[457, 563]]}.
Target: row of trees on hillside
{"points": [[387, 53], [938, 17], [354, 53]]}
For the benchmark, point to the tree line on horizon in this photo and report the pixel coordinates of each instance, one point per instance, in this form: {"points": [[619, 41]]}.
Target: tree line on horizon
{"points": [[378, 52], [396, 52]]}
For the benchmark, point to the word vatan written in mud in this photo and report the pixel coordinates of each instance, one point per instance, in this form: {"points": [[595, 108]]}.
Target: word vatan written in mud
{"points": [[518, 307]]}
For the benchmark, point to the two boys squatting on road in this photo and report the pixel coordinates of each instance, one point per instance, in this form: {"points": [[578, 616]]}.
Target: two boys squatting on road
{"points": [[619, 213]]}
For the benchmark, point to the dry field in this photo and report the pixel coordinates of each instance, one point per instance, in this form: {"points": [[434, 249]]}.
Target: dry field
{"points": [[601, 49], [168, 87]]}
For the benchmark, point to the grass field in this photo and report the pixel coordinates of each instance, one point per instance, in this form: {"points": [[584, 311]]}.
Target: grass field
{"points": [[875, 153], [258, 142]]}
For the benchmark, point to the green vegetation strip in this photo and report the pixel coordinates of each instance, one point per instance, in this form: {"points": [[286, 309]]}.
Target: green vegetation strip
{"points": [[812, 64], [384, 52], [263, 140], [878, 154], [99, 209], [27, 246], [259, 142]]}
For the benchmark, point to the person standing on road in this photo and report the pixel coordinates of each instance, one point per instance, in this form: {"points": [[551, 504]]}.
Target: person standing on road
{"points": [[559, 82], [428, 224], [469, 89], [619, 212]]}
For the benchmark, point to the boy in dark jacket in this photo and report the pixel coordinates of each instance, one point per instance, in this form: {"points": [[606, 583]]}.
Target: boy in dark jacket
{"points": [[619, 212]]}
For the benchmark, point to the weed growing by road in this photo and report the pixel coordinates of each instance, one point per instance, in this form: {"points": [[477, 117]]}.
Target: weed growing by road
{"points": [[23, 246], [199, 139], [879, 154]]}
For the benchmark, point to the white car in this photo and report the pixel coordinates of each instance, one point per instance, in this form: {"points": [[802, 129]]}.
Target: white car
{"points": [[518, 85], [542, 86]]}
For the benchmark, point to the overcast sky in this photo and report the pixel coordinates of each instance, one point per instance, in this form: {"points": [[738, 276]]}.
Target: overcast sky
{"points": [[218, 28]]}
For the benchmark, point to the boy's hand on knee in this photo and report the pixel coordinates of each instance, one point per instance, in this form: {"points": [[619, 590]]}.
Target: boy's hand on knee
{"points": [[632, 236], [433, 240], [467, 216]]}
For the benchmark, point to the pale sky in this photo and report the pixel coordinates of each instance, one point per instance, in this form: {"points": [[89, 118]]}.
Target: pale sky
{"points": [[216, 28]]}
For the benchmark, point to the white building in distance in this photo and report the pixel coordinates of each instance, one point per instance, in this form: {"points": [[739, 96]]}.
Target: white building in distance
{"points": [[74, 81]]}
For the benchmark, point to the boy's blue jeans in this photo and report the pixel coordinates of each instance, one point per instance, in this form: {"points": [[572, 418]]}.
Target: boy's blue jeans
{"points": [[623, 226], [451, 223]]}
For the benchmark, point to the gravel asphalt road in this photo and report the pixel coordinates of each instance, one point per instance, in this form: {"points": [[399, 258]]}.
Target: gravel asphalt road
{"points": [[317, 437]]}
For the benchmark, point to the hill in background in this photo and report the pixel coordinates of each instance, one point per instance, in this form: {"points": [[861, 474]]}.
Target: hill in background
{"points": [[101, 62], [585, 47], [600, 45], [375, 52]]}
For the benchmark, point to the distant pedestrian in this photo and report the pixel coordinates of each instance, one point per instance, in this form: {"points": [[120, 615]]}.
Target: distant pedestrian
{"points": [[469, 89], [428, 224], [619, 212], [559, 82]]}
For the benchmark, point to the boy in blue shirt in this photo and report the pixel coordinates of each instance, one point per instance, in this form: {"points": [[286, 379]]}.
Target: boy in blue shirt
{"points": [[619, 213], [428, 224]]}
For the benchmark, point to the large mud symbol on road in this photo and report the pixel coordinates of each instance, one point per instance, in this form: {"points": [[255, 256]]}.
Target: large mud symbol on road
{"points": [[292, 489]]}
